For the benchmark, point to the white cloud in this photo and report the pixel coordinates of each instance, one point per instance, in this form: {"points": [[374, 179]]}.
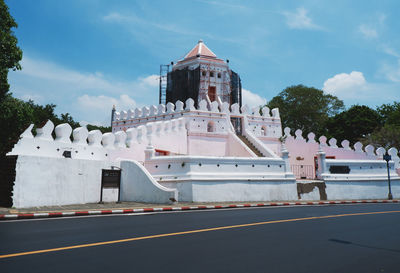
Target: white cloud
{"points": [[129, 20], [391, 71], [105, 103], [372, 28], [226, 5], [390, 51], [252, 99], [51, 73], [300, 20], [343, 83], [35, 97], [138, 26], [117, 17], [368, 32], [100, 106], [86, 96], [354, 88]]}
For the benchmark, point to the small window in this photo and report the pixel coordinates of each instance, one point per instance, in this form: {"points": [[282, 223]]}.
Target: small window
{"points": [[264, 130], [219, 75], [211, 127], [211, 73], [203, 73]]}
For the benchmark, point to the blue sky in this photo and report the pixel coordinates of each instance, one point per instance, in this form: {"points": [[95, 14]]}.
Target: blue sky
{"points": [[85, 56]]}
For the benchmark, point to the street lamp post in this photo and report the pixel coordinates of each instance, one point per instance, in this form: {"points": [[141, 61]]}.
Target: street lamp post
{"points": [[387, 157]]}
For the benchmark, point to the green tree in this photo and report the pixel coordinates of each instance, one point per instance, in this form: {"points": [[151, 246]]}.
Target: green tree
{"points": [[306, 108], [354, 123], [66, 118], [390, 113], [16, 115], [101, 128], [10, 53], [387, 136]]}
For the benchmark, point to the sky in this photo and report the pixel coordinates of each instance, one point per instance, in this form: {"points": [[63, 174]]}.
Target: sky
{"points": [[85, 56]]}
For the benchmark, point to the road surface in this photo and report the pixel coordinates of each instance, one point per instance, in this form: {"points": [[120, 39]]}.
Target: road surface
{"points": [[337, 238]]}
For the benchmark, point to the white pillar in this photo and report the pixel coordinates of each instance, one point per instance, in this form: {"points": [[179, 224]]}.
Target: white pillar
{"points": [[149, 153], [285, 157], [321, 155]]}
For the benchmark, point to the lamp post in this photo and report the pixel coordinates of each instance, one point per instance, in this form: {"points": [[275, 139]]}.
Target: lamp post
{"points": [[387, 158]]}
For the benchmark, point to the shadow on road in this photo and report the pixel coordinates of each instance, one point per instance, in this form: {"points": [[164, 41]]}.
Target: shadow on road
{"points": [[361, 245]]}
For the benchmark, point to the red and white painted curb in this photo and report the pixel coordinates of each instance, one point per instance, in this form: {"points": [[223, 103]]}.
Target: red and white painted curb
{"points": [[161, 209]]}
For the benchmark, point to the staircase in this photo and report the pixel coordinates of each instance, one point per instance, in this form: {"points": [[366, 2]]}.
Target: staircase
{"points": [[250, 145]]}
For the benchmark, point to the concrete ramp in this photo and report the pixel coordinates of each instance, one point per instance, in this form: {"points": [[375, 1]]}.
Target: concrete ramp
{"points": [[138, 185]]}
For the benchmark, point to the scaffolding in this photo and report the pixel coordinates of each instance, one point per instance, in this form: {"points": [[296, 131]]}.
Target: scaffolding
{"points": [[164, 69], [206, 82]]}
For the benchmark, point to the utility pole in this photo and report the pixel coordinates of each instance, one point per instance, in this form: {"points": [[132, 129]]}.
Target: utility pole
{"points": [[387, 158]]}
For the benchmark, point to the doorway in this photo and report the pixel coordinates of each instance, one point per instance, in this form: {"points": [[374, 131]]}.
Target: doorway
{"points": [[212, 93]]}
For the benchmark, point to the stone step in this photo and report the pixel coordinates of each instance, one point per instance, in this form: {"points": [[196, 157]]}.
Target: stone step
{"points": [[250, 145]]}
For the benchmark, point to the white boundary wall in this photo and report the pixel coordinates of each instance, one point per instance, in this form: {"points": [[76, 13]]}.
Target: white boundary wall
{"points": [[207, 179], [233, 190], [344, 190], [46, 181], [367, 179]]}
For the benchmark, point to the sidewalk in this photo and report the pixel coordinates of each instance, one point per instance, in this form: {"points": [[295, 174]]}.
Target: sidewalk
{"points": [[133, 207]]}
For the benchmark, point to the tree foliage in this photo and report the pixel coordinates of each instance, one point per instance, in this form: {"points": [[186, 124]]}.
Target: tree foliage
{"points": [[387, 136], [10, 53], [102, 129], [390, 113], [16, 115], [354, 123], [305, 108]]}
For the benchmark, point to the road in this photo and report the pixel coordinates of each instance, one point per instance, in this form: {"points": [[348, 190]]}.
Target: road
{"points": [[338, 238]]}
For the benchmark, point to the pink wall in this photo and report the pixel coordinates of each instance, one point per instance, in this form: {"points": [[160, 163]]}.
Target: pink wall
{"points": [[302, 153], [208, 145]]}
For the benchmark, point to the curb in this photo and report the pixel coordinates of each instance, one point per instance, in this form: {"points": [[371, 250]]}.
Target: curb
{"points": [[123, 211]]}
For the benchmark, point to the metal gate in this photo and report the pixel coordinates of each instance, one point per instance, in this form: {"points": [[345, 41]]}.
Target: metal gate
{"points": [[303, 171]]}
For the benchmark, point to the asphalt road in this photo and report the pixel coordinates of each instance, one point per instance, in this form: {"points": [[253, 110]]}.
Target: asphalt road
{"points": [[273, 239]]}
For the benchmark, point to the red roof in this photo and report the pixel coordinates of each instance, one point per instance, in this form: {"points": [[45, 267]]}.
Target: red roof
{"points": [[201, 51]]}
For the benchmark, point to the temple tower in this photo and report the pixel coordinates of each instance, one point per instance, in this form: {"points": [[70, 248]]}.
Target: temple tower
{"points": [[201, 75]]}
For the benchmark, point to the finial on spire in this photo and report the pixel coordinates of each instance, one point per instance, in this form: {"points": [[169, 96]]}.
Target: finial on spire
{"points": [[200, 41]]}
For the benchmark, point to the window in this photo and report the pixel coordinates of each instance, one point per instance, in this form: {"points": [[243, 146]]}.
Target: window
{"points": [[211, 73], [264, 130], [219, 75], [203, 73], [212, 93], [210, 127]]}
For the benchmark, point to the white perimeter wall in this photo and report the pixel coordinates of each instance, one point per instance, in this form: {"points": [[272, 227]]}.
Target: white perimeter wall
{"points": [[342, 190], [45, 181], [220, 179], [231, 190]]}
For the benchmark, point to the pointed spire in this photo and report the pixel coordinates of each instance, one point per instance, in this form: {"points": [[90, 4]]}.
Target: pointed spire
{"points": [[200, 50]]}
